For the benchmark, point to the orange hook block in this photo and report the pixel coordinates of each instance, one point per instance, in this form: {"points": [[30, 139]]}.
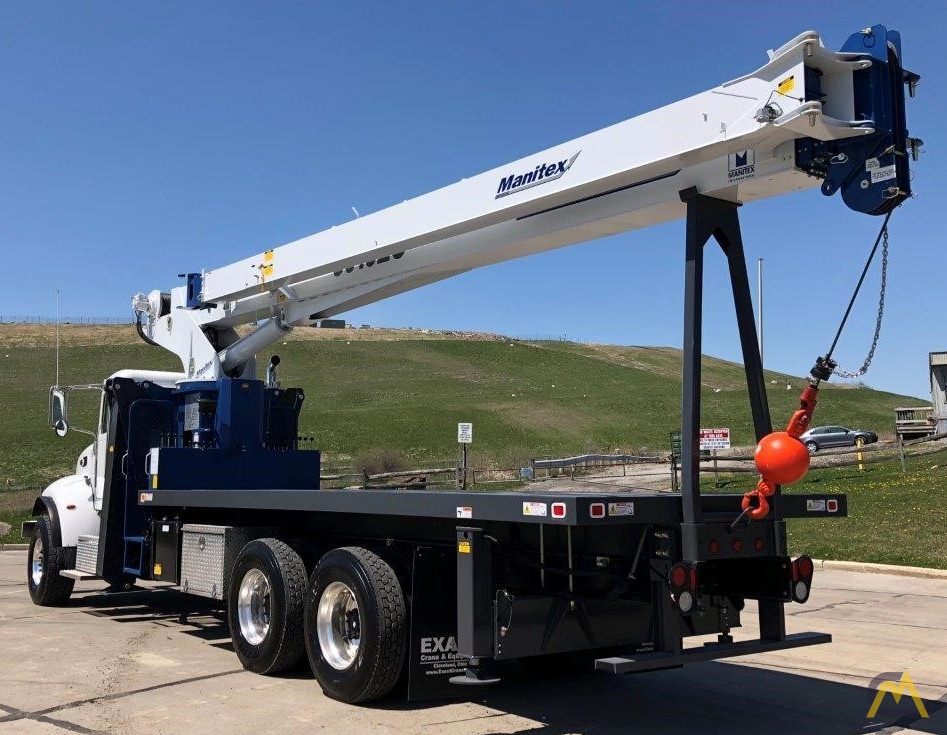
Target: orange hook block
{"points": [[760, 493], [781, 458]]}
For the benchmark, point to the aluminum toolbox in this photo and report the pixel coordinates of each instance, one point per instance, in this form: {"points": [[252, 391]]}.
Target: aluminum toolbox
{"points": [[207, 557]]}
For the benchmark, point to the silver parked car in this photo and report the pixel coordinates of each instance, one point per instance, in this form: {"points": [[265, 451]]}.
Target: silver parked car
{"points": [[822, 437]]}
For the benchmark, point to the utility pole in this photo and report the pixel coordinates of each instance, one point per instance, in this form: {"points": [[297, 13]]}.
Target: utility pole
{"points": [[759, 302], [57, 337]]}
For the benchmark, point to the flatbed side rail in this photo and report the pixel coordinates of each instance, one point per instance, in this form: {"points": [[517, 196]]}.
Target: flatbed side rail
{"points": [[572, 509]]}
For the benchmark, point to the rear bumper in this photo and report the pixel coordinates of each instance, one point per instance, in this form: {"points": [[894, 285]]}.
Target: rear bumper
{"points": [[707, 652]]}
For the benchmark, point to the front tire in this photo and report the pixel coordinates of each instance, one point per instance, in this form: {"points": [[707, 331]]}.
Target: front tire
{"points": [[356, 625], [265, 606], [44, 562]]}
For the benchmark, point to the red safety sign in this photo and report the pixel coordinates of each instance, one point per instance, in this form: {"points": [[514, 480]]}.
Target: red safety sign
{"points": [[711, 439]]}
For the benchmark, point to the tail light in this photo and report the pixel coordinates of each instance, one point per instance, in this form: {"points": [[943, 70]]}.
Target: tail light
{"points": [[683, 582], [802, 571]]}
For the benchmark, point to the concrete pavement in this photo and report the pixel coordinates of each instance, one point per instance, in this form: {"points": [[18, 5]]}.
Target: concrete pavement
{"points": [[160, 662]]}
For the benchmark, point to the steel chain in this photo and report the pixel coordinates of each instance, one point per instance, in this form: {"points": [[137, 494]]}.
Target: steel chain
{"points": [[881, 310]]}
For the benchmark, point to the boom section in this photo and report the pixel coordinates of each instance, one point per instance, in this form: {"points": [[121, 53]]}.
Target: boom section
{"points": [[757, 111], [808, 116]]}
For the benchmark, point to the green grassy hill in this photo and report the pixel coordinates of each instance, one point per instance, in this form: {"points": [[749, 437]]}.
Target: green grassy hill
{"points": [[404, 390]]}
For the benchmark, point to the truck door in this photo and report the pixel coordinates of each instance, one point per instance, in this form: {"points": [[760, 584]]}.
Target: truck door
{"points": [[101, 451]]}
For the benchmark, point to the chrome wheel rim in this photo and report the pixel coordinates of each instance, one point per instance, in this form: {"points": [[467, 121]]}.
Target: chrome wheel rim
{"points": [[253, 607], [36, 566], [338, 626]]}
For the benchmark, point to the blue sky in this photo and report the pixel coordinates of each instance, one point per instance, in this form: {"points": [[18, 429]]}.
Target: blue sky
{"points": [[142, 140]]}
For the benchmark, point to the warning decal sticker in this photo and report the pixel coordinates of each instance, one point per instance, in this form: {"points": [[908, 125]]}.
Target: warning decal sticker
{"points": [[534, 509], [626, 508], [883, 173]]}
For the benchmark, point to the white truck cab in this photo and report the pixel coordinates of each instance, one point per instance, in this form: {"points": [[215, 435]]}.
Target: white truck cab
{"points": [[68, 510]]}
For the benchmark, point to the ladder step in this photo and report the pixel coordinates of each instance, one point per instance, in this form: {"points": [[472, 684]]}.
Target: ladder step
{"points": [[76, 575]]}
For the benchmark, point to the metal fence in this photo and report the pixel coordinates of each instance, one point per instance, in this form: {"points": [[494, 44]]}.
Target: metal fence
{"points": [[550, 338], [85, 320]]}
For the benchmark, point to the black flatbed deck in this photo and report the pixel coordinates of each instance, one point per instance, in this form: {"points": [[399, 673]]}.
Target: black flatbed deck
{"points": [[624, 507]]}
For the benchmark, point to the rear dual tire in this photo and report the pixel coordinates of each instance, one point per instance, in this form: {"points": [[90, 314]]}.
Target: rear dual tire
{"points": [[265, 606], [350, 617], [355, 625]]}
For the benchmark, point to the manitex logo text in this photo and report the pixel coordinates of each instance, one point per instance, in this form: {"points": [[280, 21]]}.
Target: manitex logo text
{"points": [[897, 684], [542, 174], [741, 166]]}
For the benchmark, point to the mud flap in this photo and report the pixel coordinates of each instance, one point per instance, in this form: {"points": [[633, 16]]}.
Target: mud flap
{"points": [[432, 653]]}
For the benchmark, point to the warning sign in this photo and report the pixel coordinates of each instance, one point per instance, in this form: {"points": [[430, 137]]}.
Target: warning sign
{"points": [[621, 509], [711, 439], [534, 508]]}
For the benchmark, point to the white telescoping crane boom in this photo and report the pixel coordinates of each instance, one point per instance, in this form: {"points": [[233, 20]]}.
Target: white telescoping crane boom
{"points": [[795, 121]]}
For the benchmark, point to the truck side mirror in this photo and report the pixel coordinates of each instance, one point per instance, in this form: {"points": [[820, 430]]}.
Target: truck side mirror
{"points": [[57, 411]]}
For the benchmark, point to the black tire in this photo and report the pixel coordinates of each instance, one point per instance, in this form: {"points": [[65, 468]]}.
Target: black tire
{"points": [[381, 621], [47, 587], [812, 447], [279, 646]]}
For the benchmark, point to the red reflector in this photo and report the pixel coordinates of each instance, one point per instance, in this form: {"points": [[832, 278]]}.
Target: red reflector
{"points": [[597, 510], [806, 567], [737, 545], [831, 506], [759, 545], [694, 578], [713, 546], [558, 510], [678, 576]]}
